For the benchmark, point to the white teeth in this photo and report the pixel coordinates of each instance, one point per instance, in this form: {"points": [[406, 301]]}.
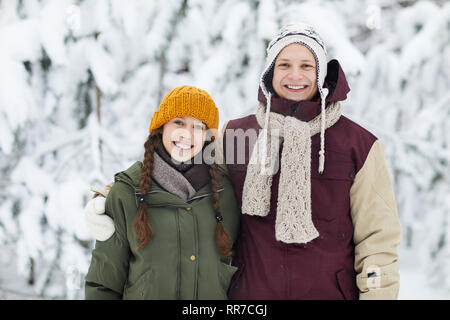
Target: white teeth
{"points": [[296, 87], [182, 146]]}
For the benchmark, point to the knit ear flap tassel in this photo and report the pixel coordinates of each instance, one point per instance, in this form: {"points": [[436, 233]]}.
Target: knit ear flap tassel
{"points": [[321, 161], [324, 93], [266, 134]]}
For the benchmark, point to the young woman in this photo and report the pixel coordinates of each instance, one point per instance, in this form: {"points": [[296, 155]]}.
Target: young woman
{"points": [[175, 217]]}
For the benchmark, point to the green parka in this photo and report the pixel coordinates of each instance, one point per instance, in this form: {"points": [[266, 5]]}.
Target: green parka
{"points": [[181, 261]]}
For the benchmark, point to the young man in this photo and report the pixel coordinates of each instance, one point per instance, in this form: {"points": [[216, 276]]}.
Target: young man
{"points": [[321, 222]]}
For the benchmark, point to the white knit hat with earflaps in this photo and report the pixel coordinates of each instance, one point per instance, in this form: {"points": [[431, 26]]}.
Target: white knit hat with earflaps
{"points": [[303, 34]]}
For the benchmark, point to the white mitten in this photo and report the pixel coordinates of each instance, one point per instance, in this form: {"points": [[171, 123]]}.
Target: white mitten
{"points": [[100, 225]]}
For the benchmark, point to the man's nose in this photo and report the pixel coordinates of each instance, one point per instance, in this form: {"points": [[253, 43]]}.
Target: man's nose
{"points": [[296, 74]]}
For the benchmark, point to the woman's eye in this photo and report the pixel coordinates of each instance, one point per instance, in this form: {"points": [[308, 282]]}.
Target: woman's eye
{"points": [[178, 122], [307, 66], [199, 127]]}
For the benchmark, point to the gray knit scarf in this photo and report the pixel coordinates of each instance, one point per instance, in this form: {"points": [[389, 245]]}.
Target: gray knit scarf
{"points": [[171, 179], [293, 219]]}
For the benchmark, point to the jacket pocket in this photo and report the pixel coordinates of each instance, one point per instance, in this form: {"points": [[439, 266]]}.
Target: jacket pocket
{"points": [[226, 272], [338, 165], [330, 191], [337, 170], [140, 289], [347, 285]]}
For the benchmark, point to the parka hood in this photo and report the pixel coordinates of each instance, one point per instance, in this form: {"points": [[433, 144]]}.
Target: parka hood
{"points": [[131, 176]]}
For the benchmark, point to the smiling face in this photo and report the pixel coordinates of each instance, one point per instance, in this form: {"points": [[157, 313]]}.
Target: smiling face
{"points": [[184, 137], [294, 73]]}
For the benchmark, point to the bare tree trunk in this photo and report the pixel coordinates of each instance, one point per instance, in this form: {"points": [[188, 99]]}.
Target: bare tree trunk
{"points": [[31, 277]]}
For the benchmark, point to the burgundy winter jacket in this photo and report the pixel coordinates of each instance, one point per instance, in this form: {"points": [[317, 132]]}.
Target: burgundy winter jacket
{"points": [[324, 267]]}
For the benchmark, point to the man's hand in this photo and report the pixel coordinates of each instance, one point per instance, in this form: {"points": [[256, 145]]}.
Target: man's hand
{"points": [[100, 225]]}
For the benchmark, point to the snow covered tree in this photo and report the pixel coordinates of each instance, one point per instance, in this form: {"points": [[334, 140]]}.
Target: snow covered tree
{"points": [[403, 97], [80, 80]]}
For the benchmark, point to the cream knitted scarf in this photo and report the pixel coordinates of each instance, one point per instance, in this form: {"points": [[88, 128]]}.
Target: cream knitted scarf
{"points": [[293, 220]]}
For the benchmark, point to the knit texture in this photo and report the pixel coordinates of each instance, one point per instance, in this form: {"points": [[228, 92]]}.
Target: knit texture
{"points": [[99, 224], [186, 101], [293, 221], [171, 179]]}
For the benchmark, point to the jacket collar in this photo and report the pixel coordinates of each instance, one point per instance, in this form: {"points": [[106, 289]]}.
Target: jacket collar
{"points": [[132, 175], [195, 171], [309, 109]]}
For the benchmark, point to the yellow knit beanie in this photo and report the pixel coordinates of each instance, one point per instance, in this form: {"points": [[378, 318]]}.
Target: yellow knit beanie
{"points": [[186, 101]]}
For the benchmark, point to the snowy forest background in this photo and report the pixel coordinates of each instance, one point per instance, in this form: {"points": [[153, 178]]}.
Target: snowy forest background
{"points": [[79, 81]]}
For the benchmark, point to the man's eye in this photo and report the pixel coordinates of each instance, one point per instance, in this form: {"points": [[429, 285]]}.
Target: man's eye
{"points": [[307, 66]]}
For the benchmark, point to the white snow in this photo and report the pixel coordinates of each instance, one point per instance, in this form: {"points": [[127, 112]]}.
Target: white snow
{"points": [[56, 140], [414, 280]]}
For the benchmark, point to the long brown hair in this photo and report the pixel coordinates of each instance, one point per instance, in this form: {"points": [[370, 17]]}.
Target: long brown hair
{"points": [[142, 228]]}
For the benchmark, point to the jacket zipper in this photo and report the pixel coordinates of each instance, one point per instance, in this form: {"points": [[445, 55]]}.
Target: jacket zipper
{"points": [[294, 108], [189, 200], [204, 195], [162, 191], [179, 259], [196, 260]]}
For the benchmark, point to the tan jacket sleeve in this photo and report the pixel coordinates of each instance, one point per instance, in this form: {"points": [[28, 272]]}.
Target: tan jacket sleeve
{"points": [[377, 230]]}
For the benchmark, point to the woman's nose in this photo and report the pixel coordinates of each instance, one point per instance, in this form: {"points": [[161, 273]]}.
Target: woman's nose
{"points": [[186, 136], [182, 135]]}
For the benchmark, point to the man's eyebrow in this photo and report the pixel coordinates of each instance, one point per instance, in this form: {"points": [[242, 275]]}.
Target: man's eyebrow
{"points": [[303, 60]]}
